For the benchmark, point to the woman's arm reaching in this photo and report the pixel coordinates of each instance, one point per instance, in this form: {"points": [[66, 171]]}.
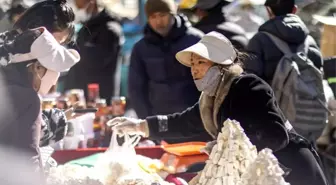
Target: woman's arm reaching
{"points": [[185, 124], [179, 125]]}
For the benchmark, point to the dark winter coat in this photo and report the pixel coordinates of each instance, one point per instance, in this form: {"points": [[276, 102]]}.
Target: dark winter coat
{"points": [[216, 21], [99, 43], [265, 55], [158, 83]]}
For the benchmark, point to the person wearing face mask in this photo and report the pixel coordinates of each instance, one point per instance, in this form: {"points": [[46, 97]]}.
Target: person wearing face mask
{"points": [[34, 60], [98, 40], [229, 93], [58, 18]]}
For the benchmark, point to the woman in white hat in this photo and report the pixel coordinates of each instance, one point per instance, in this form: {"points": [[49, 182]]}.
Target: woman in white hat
{"points": [[228, 92]]}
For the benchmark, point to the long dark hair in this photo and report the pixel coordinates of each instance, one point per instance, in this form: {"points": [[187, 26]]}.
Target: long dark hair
{"points": [[55, 15]]}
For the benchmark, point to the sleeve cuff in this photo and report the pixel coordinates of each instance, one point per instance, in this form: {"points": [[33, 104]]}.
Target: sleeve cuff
{"points": [[157, 125]]}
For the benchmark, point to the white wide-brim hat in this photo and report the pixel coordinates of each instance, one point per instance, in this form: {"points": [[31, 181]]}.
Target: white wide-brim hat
{"points": [[213, 46], [49, 53]]}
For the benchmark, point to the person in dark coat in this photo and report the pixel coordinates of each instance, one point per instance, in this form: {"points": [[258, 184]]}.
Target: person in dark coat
{"points": [[229, 93], [212, 18], [16, 10], [288, 27], [99, 43], [158, 84]]}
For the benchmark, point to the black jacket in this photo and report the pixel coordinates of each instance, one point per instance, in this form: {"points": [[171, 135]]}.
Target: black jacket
{"points": [[250, 101], [158, 83], [265, 55], [99, 43], [216, 21]]}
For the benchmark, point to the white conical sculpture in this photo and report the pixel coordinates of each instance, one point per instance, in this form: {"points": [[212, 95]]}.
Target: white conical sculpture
{"points": [[265, 170], [229, 158]]}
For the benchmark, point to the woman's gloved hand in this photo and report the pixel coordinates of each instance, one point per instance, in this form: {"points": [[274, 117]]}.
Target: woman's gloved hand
{"points": [[208, 148], [123, 125], [22, 42]]}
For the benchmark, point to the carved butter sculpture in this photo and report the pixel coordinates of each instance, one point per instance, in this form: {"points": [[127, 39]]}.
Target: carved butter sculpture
{"points": [[234, 161]]}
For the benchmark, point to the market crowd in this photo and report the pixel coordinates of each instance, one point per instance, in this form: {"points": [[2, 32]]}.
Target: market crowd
{"points": [[74, 71]]}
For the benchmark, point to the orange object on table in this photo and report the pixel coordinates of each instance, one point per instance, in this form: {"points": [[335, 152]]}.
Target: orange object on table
{"points": [[185, 149], [179, 157]]}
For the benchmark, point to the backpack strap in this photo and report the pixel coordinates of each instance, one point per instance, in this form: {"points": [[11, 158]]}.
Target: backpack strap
{"points": [[280, 44]]}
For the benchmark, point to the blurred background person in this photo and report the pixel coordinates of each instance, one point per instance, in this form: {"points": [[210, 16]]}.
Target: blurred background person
{"points": [[158, 83], [5, 23], [249, 14], [212, 18], [290, 30], [17, 9], [308, 8], [284, 24], [98, 40]]}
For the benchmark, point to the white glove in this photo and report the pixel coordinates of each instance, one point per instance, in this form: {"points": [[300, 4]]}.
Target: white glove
{"points": [[130, 126]]}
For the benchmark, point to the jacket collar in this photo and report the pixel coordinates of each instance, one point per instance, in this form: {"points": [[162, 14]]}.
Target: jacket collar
{"points": [[210, 106]]}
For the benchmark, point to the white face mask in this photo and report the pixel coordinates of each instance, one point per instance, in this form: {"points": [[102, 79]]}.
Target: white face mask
{"points": [[47, 81], [209, 83], [80, 14]]}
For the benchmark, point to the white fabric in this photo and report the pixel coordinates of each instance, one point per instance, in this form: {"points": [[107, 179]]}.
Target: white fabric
{"points": [[46, 153], [49, 53], [328, 91], [87, 123], [213, 46], [83, 130], [78, 136], [47, 81]]}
